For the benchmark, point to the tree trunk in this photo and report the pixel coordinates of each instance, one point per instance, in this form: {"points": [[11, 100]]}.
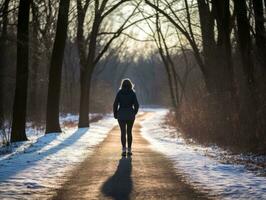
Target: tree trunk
{"points": [[55, 72], [209, 46], [260, 36], [86, 74], [3, 41], [259, 24], [260, 30], [34, 111], [20, 102], [85, 80], [244, 41], [249, 117], [225, 67], [219, 76], [169, 78], [2, 67]]}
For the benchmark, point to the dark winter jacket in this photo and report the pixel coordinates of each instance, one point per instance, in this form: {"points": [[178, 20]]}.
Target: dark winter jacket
{"points": [[126, 105]]}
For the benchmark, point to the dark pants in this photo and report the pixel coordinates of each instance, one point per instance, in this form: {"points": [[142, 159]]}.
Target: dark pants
{"points": [[126, 129]]}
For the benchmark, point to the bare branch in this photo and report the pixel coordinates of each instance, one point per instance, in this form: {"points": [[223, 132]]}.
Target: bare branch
{"points": [[116, 35], [113, 8]]}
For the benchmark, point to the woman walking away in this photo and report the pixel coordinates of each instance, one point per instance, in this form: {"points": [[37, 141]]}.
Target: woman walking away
{"points": [[125, 108]]}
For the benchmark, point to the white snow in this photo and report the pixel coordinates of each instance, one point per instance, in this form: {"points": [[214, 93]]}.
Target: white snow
{"points": [[223, 181], [36, 168], [39, 166]]}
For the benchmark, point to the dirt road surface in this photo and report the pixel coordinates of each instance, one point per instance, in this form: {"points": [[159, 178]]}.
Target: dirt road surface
{"points": [[145, 175]]}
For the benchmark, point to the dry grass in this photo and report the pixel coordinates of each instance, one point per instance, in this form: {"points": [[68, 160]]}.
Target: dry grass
{"points": [[208, 122]]}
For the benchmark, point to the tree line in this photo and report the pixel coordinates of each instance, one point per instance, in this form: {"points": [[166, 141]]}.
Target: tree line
{"points": [[228, 43], [36, 23], [213, 53]]}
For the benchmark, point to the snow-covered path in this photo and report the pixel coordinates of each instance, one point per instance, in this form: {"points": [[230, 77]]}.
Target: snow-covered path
{"points": [[224, 181], [36, 169]]}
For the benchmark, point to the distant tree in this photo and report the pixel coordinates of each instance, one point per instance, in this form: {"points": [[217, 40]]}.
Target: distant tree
{"points": [[55, 72], [35, 61], [20, 102], [88, 53], [175, 82], [42, 34], [168, 64]]}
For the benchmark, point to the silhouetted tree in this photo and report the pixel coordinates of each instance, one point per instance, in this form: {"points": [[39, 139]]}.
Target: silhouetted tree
{"points": [[3, 41], [260, 38], [260, 34], [20, 102], [221, 10], [55, 72], [89, 56], [208, 43], [245, 46]]}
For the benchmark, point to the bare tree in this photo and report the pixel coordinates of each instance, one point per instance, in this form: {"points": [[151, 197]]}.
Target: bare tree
{"points": [[20, 102], [55, 72], [3, 40], [88, 55], [245, 46]]}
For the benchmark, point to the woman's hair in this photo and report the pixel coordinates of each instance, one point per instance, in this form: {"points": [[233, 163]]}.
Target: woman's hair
{"points": [[127, 84]]}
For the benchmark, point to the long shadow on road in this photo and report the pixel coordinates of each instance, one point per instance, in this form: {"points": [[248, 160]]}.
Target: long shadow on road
{"points": [[35, 156], [119, 185]]}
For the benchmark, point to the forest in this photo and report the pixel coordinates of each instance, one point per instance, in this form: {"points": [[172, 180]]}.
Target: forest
{"points": [[189, 76], [205, 60]]}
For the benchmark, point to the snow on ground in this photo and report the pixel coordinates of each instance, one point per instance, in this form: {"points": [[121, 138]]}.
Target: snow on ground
{"points": [[36, 168], [34, 131], [208, 174]]}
